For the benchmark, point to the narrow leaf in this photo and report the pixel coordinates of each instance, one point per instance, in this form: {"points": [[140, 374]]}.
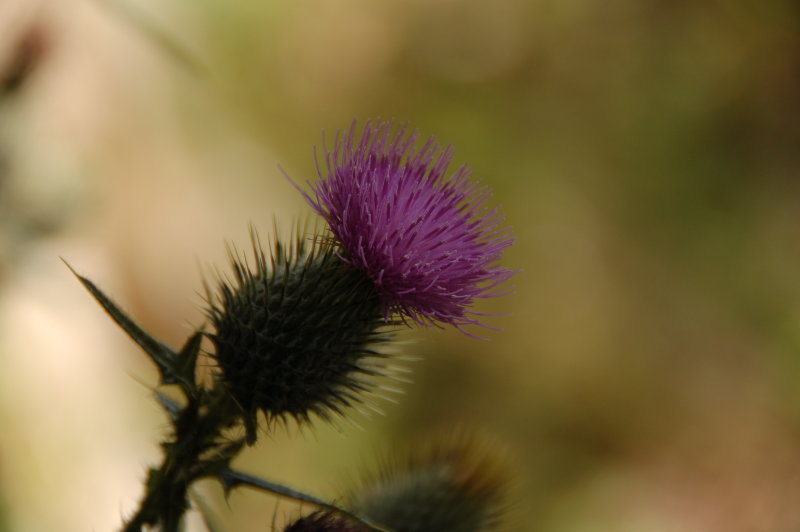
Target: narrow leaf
{"points": [[162, 355], [231, 479], [172, 407], [187, 358]]}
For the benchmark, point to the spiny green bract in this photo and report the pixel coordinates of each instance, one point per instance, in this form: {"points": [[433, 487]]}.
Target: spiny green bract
{"points": [[296, 334]]}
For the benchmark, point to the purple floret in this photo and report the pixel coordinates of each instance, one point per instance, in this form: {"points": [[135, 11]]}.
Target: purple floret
{"points": [[426, 240]]}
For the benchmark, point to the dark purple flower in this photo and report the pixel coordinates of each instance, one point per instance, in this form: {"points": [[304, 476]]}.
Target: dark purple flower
{"points": [[426, 240]]}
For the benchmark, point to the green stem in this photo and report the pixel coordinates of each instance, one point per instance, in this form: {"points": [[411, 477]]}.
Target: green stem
{"points": [[166, 497]]}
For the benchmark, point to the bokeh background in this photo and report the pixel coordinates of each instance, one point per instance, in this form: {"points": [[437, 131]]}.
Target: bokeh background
{"points": [[646, 152]]}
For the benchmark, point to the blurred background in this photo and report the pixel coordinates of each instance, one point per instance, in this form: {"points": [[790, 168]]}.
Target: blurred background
{"points": [[646, 152]]}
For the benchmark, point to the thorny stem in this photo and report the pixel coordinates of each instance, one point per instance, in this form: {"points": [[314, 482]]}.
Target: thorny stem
{"points": [[197, 431]]}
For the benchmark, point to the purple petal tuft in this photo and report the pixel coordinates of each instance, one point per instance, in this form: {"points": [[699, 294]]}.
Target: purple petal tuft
{"points": [[427, 241]]}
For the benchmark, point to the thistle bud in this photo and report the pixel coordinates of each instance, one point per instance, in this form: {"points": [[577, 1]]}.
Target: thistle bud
{"points": [[455, 487], [323, 522], [296, 334]]}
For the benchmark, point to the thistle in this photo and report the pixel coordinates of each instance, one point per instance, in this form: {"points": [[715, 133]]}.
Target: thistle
{"points": [[324, 522], [297, 334], [455, 486], [426, 240]]}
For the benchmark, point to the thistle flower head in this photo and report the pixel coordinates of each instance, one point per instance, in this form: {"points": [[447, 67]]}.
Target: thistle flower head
{"points": [[296, 335], [426, 240], [455, 486]]}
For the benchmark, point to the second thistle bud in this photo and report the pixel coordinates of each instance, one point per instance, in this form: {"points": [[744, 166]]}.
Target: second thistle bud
{"points": [[455, 486], [323, 522], [296, 334]]}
